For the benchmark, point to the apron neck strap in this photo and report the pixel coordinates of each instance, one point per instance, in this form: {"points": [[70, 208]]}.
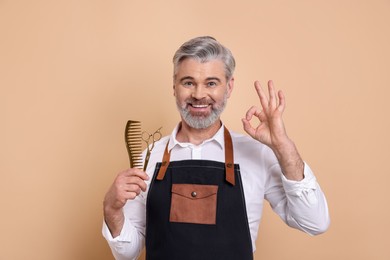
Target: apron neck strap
{"points": [[229, 160]]}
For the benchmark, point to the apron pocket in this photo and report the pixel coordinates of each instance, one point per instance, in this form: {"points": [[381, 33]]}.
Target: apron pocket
{"points": [[194, 203]]}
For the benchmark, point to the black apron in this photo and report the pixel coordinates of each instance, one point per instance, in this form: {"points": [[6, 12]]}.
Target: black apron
{"points": [[195, 209]]}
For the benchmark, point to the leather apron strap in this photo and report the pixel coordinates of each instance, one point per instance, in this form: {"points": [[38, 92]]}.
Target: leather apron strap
{"points": [[229, 159]]}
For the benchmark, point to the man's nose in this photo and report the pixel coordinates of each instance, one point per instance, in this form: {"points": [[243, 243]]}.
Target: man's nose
{"points": [[199, 92]]}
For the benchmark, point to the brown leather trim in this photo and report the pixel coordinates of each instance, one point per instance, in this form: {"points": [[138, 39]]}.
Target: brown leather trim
{"points": [[229, 160], [194, 203], [164, 164]]}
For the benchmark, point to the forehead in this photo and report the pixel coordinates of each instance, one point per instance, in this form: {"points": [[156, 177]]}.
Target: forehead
{"points": [[196, 69]]}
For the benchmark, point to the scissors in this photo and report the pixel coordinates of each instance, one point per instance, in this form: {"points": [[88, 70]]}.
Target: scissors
{"points": [[147, 138]]}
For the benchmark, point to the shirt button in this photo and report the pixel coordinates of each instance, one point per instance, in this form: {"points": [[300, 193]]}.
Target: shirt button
{"points": [[193, 194]]}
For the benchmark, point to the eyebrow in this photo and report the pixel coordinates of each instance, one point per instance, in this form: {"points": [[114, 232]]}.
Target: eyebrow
{"points": [[213, 78], [207, 79], [186, 78]]}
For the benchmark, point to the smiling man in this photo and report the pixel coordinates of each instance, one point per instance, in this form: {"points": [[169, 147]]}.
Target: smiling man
{"points": [[201, 90], [202, 194]]}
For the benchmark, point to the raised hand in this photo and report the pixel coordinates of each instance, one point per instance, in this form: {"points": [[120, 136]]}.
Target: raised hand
{"points": [[271, 131]]}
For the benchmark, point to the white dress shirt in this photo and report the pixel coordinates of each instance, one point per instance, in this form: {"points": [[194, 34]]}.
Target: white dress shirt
{"points": [[300, 204]]}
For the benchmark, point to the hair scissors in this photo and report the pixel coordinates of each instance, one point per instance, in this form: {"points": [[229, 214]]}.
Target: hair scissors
{"points": [[150, 139]]}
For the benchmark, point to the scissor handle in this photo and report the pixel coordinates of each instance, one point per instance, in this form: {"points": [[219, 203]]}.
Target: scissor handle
{"points": [[157, 135], [146, 136]]}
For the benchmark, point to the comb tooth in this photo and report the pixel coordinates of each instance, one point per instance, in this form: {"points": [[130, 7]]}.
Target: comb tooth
{"points": [[136, 148]]}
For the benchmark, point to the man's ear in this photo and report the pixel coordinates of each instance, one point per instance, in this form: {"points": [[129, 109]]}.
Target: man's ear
{"points": [[174, 92], [230, 86]]}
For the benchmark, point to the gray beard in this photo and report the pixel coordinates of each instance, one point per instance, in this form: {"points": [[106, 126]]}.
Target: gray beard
{"points": [[202, 122]]}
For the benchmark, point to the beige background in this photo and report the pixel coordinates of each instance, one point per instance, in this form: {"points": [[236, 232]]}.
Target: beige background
{"points": [[73, 72]]}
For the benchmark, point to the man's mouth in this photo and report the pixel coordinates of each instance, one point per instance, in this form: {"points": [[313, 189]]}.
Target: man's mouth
{"points": [[199, 106], [199, 109]]}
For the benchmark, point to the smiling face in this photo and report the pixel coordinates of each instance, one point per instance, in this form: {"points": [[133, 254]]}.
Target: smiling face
{"points": [[201, 91]]}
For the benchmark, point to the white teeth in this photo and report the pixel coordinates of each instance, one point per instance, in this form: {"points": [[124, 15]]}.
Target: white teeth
{"points": [[200, 106]]}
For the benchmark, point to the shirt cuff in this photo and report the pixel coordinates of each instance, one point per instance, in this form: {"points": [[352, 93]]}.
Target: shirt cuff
{"points": [[296, 188], [124, 236]]}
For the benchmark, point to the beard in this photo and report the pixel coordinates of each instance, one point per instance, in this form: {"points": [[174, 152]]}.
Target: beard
{"points": [[201, 120]]}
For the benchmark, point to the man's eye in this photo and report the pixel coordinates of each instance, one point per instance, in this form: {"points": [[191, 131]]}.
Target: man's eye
{"points": [[188, 83], [211, 84]]}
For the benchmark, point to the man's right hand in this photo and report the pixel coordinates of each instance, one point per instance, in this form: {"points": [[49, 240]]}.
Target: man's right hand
{"points": [[127, 185]]}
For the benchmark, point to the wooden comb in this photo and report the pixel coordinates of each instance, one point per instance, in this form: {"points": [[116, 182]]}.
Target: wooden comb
{"points": [[133, 139]]}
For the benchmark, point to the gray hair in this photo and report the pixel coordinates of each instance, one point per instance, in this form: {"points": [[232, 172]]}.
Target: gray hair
{"points": [[204, 49]]}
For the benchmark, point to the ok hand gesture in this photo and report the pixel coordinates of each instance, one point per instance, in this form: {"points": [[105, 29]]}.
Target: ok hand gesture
{"points": [[270, 130]]}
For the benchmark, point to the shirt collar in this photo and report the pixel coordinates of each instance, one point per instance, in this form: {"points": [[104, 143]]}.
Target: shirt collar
{"points": [[218, 138]]}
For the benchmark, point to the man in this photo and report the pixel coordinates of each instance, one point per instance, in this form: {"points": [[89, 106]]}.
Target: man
{"points": [[201, 196]]}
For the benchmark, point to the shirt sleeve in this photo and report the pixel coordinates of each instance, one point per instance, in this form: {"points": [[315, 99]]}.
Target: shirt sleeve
{"points": [[131, 240], [301, 204]]}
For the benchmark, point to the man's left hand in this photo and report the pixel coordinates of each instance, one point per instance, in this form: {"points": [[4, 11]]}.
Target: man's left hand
{"points": [[271, 131]]}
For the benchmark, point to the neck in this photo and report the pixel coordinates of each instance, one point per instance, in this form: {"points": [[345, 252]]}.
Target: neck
{"points": [[196, 136]]}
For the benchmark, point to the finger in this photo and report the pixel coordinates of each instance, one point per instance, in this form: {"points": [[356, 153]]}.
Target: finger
{"points": [[135, 180], [253, 111], [130, 195], [128, 192], [272, 95], [136, 172], [282, 101], [133, 188], [262, 96]]}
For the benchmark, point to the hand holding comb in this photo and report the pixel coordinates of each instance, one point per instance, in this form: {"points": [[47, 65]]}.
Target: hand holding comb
{"points": [[134, 137]]}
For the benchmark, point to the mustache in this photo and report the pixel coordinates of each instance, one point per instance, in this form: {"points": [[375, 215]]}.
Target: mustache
{"points": [[203, 101]]}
